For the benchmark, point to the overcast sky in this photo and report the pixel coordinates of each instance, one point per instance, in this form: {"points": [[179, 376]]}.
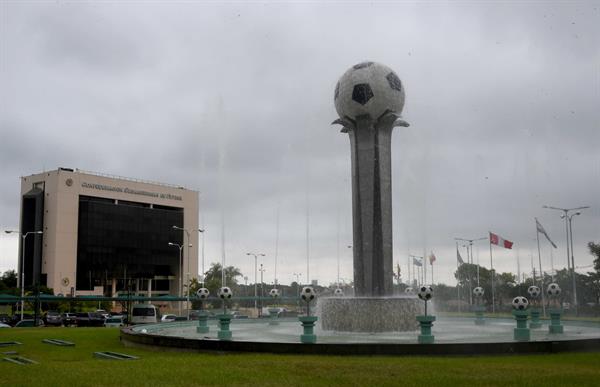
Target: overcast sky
{"points": [[236, 100]]}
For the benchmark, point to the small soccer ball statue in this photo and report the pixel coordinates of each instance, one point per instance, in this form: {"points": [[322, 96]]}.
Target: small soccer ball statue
{"points": [[478, 291], [534, 291], [338, 292], [274, 293], [202, 293], [410, 291], [520, 303], [553, 290], [425, 292], [308, 293], [225, 293]]}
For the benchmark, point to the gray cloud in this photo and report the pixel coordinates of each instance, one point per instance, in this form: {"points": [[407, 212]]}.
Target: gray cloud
{"points": [[235, 100]]}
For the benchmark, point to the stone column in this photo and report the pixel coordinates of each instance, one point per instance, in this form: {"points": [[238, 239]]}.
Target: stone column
{"points": [[370, 144]]}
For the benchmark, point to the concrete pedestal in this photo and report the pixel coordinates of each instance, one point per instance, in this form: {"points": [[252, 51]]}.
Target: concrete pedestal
{"points": [[369, 314], [521, 332], [202, 322], [535, 318], [555, 324], [426, 322], [224, 333], [273, 313], [479, 311], [308, 324]]}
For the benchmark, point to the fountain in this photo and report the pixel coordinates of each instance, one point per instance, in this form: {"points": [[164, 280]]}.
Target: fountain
{"points": [[369, 98]]}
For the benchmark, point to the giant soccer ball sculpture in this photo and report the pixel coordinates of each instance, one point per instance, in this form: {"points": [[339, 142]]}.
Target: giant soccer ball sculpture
{"points": [[202, 293], [338, 292], [409, 291], [368, 88], [520, 303], [534, 292], [369, 98], [274, 293], [478, 292], [225, 293]]}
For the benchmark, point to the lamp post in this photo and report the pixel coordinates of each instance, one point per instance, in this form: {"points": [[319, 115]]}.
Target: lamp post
{"points": [[262, 287], [575, 304], [187, 233], [180, 247], [297, 275], [571, 264], [201, 231], [23, 236], [256, 255]]}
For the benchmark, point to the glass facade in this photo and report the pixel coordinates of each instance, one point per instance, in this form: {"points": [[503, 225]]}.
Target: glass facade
{"points": [[125, 240]]}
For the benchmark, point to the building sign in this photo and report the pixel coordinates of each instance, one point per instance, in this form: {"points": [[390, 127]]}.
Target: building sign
{"points": [[126, 190]]}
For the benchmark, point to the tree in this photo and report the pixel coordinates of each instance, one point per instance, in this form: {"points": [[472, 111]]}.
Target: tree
{"points": [[594, 277], [9, 279], [212, 280]]}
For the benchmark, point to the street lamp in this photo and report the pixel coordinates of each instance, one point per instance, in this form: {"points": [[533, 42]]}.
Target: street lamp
{"points": [[256, 277], [23, 236], [570, 217], [570, 265], [470, 260], [262, 287], [180, 247]]}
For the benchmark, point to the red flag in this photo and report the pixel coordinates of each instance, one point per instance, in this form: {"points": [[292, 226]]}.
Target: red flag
{"points": [[497, 240], [432, 258]]}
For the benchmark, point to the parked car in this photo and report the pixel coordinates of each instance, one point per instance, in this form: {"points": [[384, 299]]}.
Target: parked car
{"points": [[145, 314], [17, 317], [168, 318], [69, 319], [89, 319], [114, 321], [28, 323], [2, 325], [4, 318], [52, 317]]}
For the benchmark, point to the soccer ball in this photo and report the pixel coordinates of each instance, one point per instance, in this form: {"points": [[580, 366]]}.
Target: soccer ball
{"points": [[225, 293], [553, 290], [202, 293], [368, 88], [410, 291], [308, 293], [534, 291], [338, 292], [425, 292], [520, 303], [274, 293], [478, 291]]}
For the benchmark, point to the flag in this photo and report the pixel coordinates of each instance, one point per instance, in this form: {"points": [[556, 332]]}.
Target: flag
{"points": [[459, 258], [417, 262], [432, 258], [541, 230], [497, 240]]}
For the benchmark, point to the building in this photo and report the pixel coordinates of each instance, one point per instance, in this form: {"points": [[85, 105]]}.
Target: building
{"points": [[103, 234]]}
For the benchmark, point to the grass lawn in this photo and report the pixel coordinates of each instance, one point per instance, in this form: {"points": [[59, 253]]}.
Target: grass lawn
{"points": [[75, 366]]}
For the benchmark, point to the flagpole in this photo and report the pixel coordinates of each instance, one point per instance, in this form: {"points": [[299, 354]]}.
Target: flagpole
{"points": [[457, 280], [431, 272], [492, 275], [469, 261], [537, 236], [408, 269]]}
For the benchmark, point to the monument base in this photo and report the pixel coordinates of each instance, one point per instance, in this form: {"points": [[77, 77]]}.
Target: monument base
{"points": [[370, 314]]}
